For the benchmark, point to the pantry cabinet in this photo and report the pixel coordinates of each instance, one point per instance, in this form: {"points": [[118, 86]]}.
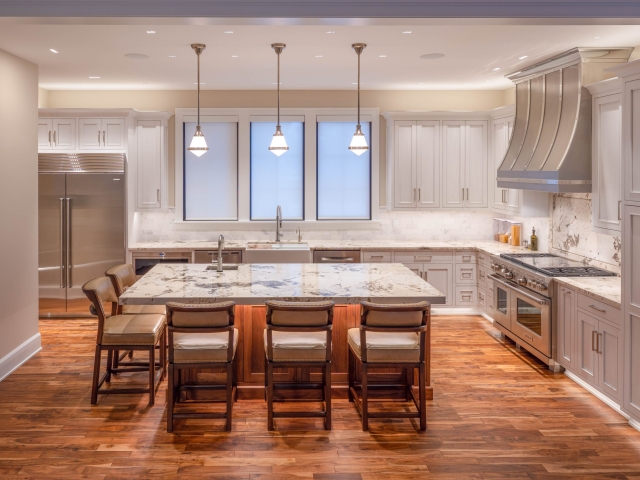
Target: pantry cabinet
{"points": [[631, 145], [631, 306], [149, 136]]}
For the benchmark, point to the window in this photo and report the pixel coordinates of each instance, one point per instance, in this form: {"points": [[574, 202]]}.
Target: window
{"points": [[344, 178], [211, 181], [277, 180]]}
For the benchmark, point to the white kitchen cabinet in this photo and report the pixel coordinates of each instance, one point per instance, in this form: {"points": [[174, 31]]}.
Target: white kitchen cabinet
{"points": [[631, 308], [45, 135], [631, 144], [149, 173], [56, 134], [504, 199], [417, 164], [102, 133], [566, 327]]}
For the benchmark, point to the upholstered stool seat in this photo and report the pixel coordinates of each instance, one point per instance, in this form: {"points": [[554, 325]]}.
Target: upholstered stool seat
{"points": [[202, 347], [133, 329], [298, 346], [387, 347], [144, 309]]}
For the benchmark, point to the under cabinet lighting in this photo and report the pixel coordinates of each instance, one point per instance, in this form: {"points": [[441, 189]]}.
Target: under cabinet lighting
{"points": [[54, 51]]}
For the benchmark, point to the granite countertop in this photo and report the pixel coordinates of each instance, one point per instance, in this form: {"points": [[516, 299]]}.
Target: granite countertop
{"points": [[253, 284], [605, 289]]}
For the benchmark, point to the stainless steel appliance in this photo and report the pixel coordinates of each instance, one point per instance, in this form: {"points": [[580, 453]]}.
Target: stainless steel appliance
{"points": [[81, 226], [336, 256], [211, 256], [523, 298], [145, 261]]}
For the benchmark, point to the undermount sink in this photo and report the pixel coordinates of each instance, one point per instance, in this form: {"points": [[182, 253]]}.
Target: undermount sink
{"points": [[277, 252]]}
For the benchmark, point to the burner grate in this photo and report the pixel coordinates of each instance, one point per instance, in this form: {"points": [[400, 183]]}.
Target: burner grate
{"points": [[577, 272]]}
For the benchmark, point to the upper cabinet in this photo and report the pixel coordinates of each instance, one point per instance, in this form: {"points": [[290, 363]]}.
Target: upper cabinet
{"points": [[504, 199], [102, 133], [56, 134]]}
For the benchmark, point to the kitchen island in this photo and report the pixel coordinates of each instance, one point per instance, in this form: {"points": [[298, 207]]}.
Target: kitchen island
{"points": [[251, 285]]}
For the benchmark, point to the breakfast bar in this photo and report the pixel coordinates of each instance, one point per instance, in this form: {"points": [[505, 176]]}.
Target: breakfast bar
{"points": [[250, 285]]}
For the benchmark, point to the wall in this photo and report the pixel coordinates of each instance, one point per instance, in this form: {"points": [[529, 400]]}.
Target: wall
{"points": [[18, 211], [429, 100]]}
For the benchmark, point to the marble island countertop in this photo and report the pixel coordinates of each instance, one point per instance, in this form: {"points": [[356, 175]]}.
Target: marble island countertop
{"points": [[605, 289], [253, 284]]}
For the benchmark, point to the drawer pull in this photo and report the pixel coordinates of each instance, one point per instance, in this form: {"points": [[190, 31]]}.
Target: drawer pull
{"points": [[594, 335], [377, 256], [597, 309], [421, 259]]}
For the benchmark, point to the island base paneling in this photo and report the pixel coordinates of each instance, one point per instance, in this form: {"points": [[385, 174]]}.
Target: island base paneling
{"points": [[250, 358]]}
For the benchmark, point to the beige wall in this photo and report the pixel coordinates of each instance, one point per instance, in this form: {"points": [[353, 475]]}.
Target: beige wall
{"points": [[383, 99], [18, 206]]}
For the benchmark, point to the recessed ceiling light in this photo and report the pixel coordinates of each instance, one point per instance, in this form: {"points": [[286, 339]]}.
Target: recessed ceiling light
{"points": [[54, 51], [275, 83], [235, 56], [172, 56], [229, 31], [330, 31], [523, 57], [93, 78], [496, 69], [431, 56], [382, 56], [136, 56], [201, 83], [596, 37], [407, 31], [318, 56], [151, 31]]}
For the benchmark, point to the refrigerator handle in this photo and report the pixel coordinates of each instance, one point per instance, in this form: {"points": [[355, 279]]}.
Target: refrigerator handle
{"points": [[68, 240], [62, 247]]}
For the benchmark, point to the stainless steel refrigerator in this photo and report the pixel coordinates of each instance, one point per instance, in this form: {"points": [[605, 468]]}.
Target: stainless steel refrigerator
{"points": [[81, 220]]}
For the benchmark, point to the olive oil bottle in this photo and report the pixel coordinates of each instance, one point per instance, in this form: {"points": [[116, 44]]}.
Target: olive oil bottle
{"points": [[534, 241]]}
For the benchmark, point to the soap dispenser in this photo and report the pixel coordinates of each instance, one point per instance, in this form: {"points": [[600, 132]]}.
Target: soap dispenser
{"points": [[534, 241]]}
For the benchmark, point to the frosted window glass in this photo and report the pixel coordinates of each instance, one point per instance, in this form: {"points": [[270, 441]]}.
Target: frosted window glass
{"points": [[277, 180], [344, 178], [211, 181]]}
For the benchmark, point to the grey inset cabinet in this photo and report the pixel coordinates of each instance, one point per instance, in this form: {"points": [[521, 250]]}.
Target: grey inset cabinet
{"points": [[566, 327]]}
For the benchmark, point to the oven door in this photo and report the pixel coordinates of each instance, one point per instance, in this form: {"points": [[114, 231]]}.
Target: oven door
{"points": [[531, 319], [501, 302]]}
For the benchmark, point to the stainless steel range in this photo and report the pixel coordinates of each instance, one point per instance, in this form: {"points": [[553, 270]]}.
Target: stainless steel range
{"points": [[523, 297]]}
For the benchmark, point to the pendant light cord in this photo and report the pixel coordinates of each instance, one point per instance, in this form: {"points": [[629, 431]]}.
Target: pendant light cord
{"points": [[358, 89], [198, 89], [278, 89]]}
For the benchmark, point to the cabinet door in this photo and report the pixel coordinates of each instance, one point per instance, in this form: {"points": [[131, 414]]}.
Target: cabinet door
{"points": [[415, 268], [113, 133], [565, 328], [499, 143], [149, 174], [428, 163], [631, 139], [476, 164], [405, 182], [631, 307], [89, 133], [453, 167], [441, 277], [514, 200], [607, 163], [64, 133], [45, 135], [587, 358], [610, 351]]}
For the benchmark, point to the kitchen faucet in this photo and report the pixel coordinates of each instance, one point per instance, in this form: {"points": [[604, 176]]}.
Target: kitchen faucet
{"points": [[278, 223], [220, 247]]}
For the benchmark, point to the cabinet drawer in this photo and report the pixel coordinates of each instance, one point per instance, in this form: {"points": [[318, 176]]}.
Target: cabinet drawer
{"points": [[489, 306], [423, 257], [483, 259], [482, 276], [466, 257], [466, 274], [599, 309], [376, 257], [466, 296], [482, 298], [489, 287]]}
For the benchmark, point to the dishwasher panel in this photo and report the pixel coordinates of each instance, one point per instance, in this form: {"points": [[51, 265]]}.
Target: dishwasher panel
{"points": [[210, 256], [336, 256]]}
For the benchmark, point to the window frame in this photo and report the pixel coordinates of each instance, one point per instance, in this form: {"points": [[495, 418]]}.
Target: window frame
{"points": [[311, 118]]}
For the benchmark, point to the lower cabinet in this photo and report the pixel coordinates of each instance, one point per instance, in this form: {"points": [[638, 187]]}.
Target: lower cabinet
{"points": [[441, 277], [565, 327]]}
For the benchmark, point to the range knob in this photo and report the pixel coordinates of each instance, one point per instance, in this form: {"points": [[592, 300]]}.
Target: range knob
{"points": [[542, 287], [522, 281], [504, 270], [509, 275]]}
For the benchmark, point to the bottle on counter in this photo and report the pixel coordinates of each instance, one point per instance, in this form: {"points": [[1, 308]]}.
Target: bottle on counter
{"points": [[534, 241]]}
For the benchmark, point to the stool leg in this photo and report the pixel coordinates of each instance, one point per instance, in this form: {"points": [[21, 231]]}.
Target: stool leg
{"points": [[409, 383], [152, 374], [423, 397], [170, 400], [365, 399], [109, 365], [229, 396], [351, 374], [116, 359], [96, 376], [270, 396], [327, 389], [235, 379]]}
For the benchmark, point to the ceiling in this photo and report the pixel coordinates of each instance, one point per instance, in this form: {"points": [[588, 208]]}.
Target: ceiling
{"points": [[313, 59]]}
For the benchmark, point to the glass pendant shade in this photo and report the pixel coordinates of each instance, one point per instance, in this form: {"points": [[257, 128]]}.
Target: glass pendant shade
{"points": [[198, 144], [278, 143], [358, 142]]}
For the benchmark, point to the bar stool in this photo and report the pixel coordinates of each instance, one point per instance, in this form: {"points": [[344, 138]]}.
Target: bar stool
{"points": [[394, 336], [298, 334], [122, 277], [124, 332], [201, 336]]}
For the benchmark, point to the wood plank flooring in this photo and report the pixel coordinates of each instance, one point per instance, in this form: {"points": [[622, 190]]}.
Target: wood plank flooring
{"points": [[497, 414]]}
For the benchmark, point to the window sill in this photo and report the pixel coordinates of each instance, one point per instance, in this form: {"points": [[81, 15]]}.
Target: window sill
{"points": [[304, 225]]}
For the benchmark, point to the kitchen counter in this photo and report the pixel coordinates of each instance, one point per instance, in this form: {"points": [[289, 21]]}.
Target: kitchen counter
{"points": [[605, 289], [253, 284]]}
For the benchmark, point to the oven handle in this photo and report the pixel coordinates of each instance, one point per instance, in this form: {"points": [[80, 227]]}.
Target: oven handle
{"points": [[539, 301]]}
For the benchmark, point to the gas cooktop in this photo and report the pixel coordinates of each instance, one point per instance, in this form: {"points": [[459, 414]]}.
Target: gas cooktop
{"points": [[554, 266]]}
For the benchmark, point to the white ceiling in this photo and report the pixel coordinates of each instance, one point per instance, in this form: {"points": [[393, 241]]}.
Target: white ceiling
{"points": [[472, 52]]}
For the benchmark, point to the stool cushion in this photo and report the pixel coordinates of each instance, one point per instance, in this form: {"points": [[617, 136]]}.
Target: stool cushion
{"points": [[144, 309], [133, 329], [298, 346], [202, 347], [383, 347]]}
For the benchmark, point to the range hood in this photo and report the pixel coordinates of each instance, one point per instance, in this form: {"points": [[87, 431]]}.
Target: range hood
{"points": [[550, 148]]}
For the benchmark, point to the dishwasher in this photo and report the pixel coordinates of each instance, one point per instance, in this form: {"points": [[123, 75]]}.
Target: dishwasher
{"points": [[211, 256], [145, 261], [336, 256]]}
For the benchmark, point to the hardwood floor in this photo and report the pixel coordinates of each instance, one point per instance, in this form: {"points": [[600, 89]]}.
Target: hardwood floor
{"points": [[496, 413]]}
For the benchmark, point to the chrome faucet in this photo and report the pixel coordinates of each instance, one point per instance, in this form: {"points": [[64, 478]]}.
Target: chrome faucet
{"points": [[278, 223], [220, 247]]}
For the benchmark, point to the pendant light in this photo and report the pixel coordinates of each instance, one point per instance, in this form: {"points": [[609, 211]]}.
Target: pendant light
{"points": [[278, 143], [358, 142], [198, 144]]}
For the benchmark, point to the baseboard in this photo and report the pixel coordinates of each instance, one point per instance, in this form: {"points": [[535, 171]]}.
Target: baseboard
{"points": [[19, 356], [452, 311], [597, 393], [634, 423]]}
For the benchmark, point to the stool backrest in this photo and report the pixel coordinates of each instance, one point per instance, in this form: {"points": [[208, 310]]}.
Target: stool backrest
{"points": [[209, 315], [122, 277], [100, 291], [394, 316], [299, 314]]}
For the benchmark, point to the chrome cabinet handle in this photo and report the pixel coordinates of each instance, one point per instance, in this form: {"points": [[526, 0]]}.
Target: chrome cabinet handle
{"points": [[467, 194], [593, 340], [463, 194], [619, 209], [597, 309], [344, 259], [98, 137], [49, 137], [62, 247], [69, 278], [104, 138], [414, 194], [418, 194], [55, 138], [598, 337], [158, 195]]}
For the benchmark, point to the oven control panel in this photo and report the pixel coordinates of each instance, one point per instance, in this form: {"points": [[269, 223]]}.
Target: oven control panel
{"points": [[518, 276]]}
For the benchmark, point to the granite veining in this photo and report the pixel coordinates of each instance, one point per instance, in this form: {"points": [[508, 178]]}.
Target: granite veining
{"points": [[605, 289], [253, 284]]}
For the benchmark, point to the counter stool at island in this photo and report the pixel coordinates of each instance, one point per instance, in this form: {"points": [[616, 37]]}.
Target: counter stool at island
{"points": [[201, 337], [124, 332], [297, 335], [394, 336]]}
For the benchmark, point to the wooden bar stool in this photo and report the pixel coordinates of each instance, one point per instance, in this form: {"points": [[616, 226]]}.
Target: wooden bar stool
{"points": [[298, 334], [394, 336], [124, 332], [122, 277], [201, 337]]}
